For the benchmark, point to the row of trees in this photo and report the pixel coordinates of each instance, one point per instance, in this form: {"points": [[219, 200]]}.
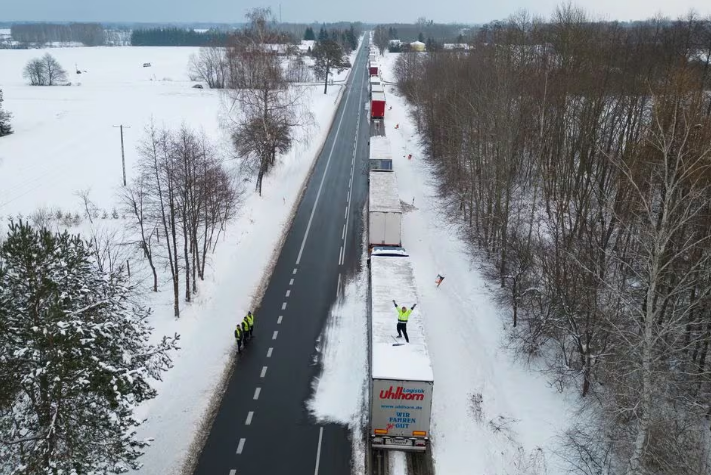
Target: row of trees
{"points": [[5, 127], [577, 156], [89, 34], [44, 71], [177, 37], [180, 202], [74, 358]]}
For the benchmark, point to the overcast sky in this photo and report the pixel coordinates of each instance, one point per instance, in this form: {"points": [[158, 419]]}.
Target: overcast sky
{"points": [[376, 11]]}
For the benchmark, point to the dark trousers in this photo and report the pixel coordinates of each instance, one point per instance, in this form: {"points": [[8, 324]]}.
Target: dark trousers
{"points": [[239, 344], [402, 330]]}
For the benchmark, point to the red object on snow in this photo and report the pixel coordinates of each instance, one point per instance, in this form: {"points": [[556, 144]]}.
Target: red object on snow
{"points": [[373, 69], [377, 105]]}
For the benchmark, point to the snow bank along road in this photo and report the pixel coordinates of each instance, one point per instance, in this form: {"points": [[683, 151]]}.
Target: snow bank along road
{"points": [[262, 425]]}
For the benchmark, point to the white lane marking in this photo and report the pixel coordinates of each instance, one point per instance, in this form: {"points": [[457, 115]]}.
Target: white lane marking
{"points": [[256, 393], [318, 450], [323, 177], [294, 271], [288, 292], [291, 282], [269, 352], [250, 415], [340, 256], [240, 446], [343, 234], [283, 306], [264, 372], [233, 472], [345, 214], [351, 180], [338, 287], [279, 319], [274, 336]]}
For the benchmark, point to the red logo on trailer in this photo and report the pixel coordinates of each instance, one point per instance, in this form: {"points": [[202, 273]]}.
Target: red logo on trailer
{"points": [[402, 393]]}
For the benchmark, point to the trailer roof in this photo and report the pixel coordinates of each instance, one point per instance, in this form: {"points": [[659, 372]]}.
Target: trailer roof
{"points": [[374, 80], [392, 279], [380, 147], [384, 195], [378, 96]]}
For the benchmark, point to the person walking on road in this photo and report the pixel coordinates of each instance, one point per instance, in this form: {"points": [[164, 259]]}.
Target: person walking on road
{"points": [[245, 331], [250, 319], [238, 336], [403, 315]]}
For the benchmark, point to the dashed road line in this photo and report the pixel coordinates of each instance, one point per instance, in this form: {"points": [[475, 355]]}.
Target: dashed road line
{"points": [[269, 352], [279, 319], [274, 335], [294, 272], [250, 415], [240, 446], [288, 292], [323, 177], [291, 282], [264, 372], [257, 391], [338, 287], [283, 306], [233, 472]]}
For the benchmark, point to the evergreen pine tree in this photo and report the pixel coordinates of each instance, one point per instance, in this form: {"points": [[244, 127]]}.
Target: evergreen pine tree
{"points": [[322, 34], [74, 358], [309, 35], [5, 128]]}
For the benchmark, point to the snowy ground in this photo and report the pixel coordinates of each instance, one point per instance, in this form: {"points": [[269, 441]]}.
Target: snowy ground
{"points": [[490, 414], [64, 142]]}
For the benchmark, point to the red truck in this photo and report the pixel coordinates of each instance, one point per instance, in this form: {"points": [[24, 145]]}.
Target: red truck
{"points": [[373, 68], [377, 105]]}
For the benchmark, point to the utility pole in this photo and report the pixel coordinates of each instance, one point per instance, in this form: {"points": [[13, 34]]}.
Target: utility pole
{"points": [[123, 157]]}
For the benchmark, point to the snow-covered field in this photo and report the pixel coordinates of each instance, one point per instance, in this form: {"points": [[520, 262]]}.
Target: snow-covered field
{"points": [[491, 415], [64, 141]]}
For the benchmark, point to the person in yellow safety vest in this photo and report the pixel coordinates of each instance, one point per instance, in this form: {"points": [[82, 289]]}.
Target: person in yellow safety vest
{"points": [[238, 336], [403, 315], [245, 331], [250, 319]]}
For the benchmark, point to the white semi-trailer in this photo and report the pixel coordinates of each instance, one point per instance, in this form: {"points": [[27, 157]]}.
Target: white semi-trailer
{"points": [[380, 158], [401, 377], [384, 210]]}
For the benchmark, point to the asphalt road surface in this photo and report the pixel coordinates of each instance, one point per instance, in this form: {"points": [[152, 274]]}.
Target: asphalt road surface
{"points": [[262, 426]]}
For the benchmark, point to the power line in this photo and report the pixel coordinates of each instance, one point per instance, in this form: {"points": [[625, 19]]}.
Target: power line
{"points": [[123, 157]]}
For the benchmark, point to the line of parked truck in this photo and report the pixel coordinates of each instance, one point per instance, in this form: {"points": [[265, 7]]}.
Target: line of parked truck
{"points": [[377, 90], [401, 376]]}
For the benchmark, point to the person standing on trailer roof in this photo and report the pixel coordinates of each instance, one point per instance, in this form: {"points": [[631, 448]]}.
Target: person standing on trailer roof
{"points": [[403, 315]]}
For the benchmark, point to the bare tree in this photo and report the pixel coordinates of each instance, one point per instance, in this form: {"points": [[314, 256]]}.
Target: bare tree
{"points": [[136, 200], [265, 110], [381, 38], [54, 73], [210, 65], [35, 73], [575, 155], [183, 196]]}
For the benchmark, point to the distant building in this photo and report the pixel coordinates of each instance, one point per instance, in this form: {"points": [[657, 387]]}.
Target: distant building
{"points": [[457, 46], [418, 46], [395, 43]]}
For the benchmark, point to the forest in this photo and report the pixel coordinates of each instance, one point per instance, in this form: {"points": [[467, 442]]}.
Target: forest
{"points": [[575, 157]]}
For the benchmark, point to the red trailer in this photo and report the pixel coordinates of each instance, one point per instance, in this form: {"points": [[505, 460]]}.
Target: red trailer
{"points": [[377, 106], [373, 68]]}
